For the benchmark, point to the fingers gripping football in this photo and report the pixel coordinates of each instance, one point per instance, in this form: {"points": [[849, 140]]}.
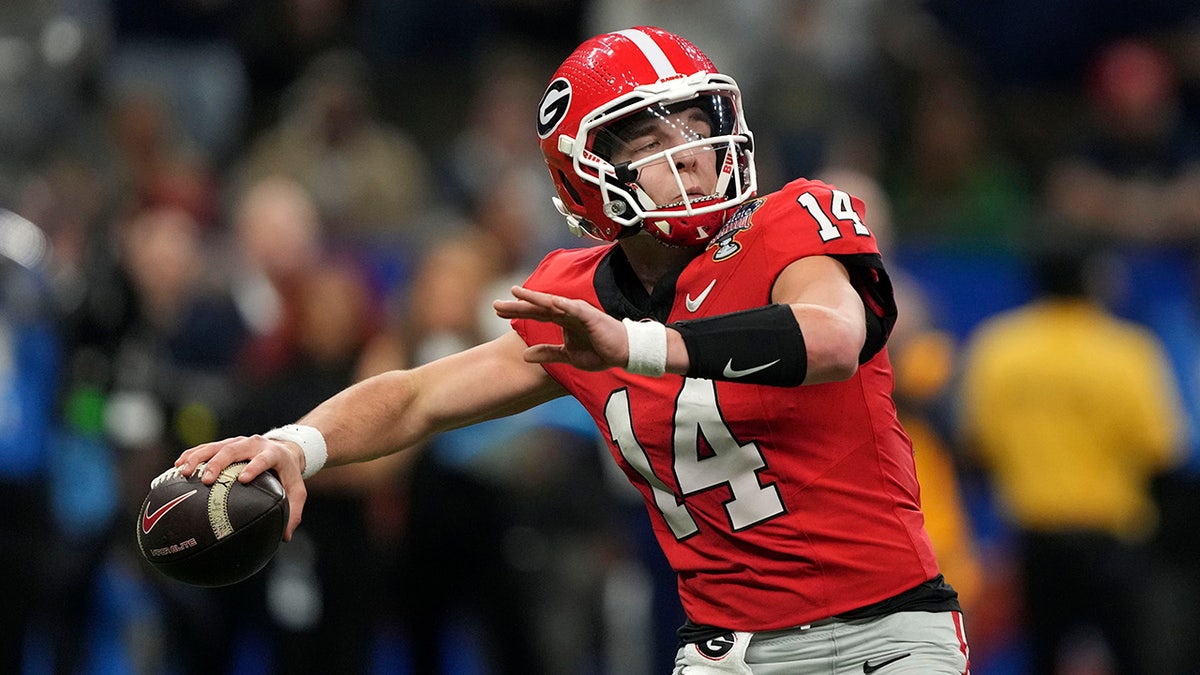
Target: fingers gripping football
{"points": [[592, 340], [283, 456]]}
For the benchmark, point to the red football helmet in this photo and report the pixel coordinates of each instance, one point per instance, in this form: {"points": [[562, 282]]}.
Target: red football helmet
{"points": [[601, 92]]}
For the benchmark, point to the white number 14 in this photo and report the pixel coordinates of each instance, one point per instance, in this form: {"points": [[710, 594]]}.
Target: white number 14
{"points": [[730, 463], [840, 207]]}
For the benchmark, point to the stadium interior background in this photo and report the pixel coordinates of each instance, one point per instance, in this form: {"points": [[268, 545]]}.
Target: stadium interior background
{"points": [[216, 213]]}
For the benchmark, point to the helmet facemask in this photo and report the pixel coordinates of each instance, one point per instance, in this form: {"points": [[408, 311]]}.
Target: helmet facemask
{"points": [[660, 130]]}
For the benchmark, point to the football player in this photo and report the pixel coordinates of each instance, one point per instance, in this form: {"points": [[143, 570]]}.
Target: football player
{"points": [[729, 346]]}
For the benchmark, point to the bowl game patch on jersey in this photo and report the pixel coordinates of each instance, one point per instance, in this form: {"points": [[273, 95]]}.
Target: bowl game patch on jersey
{"points": [[724, 243]]}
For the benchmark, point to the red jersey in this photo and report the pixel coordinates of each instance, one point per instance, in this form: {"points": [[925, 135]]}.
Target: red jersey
{"points": [[776, 506]]}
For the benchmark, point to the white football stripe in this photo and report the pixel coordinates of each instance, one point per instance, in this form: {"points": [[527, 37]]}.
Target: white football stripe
{"points": [[653, 53]]}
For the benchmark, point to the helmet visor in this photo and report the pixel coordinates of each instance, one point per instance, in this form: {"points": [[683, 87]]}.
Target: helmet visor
{"points": [[665, 125], [677, 153]]}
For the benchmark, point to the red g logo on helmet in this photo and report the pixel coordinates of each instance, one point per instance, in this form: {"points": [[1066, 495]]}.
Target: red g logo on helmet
{"points": [[618, 78]]}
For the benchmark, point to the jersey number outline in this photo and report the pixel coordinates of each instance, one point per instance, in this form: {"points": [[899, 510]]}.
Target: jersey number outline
{"points": [[841, 209], [731, 463]]}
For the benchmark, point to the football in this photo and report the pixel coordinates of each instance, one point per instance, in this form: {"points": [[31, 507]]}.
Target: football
{"points": [[212, 535]]}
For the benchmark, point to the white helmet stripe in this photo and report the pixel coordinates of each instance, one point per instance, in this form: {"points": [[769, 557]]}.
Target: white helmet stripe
{"points": [[653, 53]]}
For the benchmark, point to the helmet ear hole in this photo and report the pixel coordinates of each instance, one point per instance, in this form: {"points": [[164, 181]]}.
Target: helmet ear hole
{"points": [[618, 206], [571, 191]]}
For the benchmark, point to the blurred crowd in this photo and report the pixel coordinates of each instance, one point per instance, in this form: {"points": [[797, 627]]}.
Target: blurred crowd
{"points": [[214, 214]]}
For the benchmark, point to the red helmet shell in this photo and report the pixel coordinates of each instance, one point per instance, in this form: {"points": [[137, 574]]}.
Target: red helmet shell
{"points": [[613, 75]]}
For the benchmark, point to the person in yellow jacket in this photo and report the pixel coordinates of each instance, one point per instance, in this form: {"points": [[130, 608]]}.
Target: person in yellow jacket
{"points": [[1072, 411]]}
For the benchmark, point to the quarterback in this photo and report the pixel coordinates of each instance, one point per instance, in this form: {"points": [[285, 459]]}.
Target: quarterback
{"points": [[731, 348]]}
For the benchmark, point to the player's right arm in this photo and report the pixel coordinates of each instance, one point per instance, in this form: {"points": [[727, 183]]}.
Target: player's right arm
{"points": [[390, 412]]}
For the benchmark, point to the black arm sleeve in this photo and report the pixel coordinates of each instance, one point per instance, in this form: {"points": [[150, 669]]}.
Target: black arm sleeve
{"points": [[763, 345]]}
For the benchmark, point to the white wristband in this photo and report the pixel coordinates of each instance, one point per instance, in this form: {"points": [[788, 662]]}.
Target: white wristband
{"points": [[310, 441], [647, 347]]}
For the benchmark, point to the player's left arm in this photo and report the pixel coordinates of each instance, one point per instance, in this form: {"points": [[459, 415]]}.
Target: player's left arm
{"points": [[829, 313], [813, 332]]}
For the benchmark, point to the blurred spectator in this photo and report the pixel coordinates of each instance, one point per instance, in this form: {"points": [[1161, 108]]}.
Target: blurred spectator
{"points": [[324, 587], [278, 238], [156, 163], [149, 351], [491, 502], [493, 147], [1134, 173], [951, 181], [440, 317], [155, 334], [184, 343], [316, 329], [198, 74], [278, 39], [823, 89], [1073, 411], [368, 178]]}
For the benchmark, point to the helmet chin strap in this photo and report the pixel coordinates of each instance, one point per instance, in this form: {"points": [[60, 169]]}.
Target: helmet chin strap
{"points": [[723, 176], [574, 222]]}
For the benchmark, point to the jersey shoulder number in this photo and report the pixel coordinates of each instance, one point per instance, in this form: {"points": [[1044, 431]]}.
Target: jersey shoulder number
{"points": [[832, 214]]}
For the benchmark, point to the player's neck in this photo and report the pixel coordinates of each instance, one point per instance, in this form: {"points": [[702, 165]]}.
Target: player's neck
{"points": [[651, 260]]}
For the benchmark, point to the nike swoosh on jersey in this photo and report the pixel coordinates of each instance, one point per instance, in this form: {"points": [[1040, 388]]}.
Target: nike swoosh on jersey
{"points": [[693, 305], [733, 373], [869, 667], [149, 520]]}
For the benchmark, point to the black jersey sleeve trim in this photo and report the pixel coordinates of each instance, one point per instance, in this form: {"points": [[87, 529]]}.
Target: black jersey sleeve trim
{"points": [[871, 280]]}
